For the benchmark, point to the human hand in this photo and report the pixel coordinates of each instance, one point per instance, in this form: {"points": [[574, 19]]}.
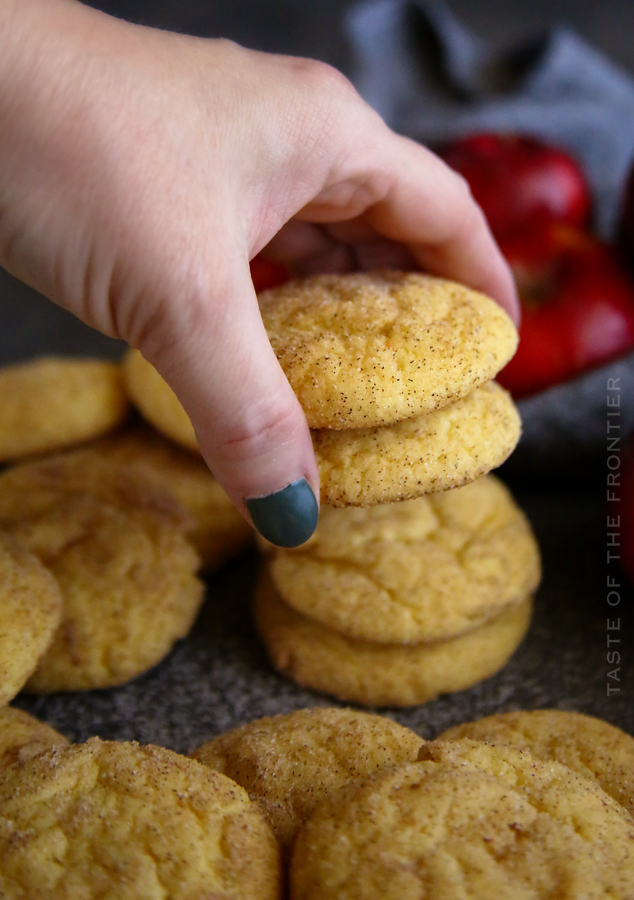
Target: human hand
{"points": [[141, 170]]}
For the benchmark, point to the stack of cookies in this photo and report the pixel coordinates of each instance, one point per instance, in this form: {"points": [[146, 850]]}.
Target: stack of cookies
{"points": [[395, 603]]}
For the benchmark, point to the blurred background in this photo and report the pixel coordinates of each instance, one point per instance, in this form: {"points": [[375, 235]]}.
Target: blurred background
{"points": [[313, 27]]}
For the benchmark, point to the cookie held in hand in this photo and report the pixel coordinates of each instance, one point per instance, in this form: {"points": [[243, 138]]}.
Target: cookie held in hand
{"points": [[371, 348], [444, 449]]}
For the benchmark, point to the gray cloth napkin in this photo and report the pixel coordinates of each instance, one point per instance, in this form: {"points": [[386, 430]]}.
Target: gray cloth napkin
{"points": [[433, 80]]}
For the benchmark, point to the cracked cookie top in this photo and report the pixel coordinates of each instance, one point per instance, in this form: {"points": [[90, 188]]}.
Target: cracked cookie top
{"points": [[290, 763], [469, 821], [587, 745], [128, 585], [424, 570], [107, 819], [369, 349]]}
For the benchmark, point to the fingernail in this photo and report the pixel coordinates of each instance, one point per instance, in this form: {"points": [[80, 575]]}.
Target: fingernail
{"points": [[288, 517]]}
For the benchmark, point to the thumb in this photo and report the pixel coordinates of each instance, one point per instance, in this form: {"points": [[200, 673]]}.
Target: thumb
{"points": [[215, 354]]}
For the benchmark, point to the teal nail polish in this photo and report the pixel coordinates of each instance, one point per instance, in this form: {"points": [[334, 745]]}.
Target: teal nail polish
{"points": [[288, 517]]}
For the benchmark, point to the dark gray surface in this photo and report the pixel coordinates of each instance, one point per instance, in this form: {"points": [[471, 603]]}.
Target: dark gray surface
{"points": [[219, 676]]}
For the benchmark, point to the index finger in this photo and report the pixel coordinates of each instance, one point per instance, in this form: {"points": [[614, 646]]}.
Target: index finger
{"points": [[407, 194], [443, 226]]}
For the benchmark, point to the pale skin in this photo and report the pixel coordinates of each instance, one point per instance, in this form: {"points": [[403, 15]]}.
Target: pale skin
{"points": [[140, 171]]}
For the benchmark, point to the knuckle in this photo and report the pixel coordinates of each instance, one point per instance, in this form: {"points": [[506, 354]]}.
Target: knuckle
{"points": [[463, 187], [273, 426], [324, 77], [464, 216], [331, 101], [158, 326]]}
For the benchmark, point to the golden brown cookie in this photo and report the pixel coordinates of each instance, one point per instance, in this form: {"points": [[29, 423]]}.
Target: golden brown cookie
{"points": [[291, 763], [588, 746], [156, 401], [467, 821], [35, 486], [423, 570], [371, 348], [377, 674], [52, 402], [23, 736], [30, 612], [218, 531], [107, 819], [444, 449], [129, 591]]}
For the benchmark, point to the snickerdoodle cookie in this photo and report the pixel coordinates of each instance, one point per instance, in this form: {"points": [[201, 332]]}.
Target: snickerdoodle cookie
{"points": [[128, 585], [587, 745], [376, 674], [423, 570], [367, 349], [468, 821], [156, 401], [106, 819], [443, 449], [290, 763], [53, 402], [30, 612], [32, 487], [217, 530], [23, 736]]}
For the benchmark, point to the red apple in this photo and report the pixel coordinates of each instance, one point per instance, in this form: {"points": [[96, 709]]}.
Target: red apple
{"points": [[519, 181], [267, 274], [577, 306], [626, 227]]}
